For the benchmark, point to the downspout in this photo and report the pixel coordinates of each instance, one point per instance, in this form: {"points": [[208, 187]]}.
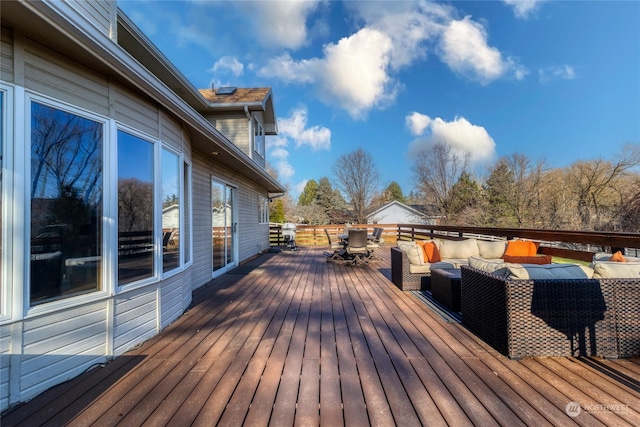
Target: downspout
{"points": [[246, 111]]}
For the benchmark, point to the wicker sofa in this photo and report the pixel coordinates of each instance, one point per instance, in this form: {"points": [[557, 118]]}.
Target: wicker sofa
{"points": [[410, 274], [554, 317]]}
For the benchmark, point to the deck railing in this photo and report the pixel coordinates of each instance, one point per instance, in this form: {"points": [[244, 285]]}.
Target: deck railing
{"points": [[577, 245]]}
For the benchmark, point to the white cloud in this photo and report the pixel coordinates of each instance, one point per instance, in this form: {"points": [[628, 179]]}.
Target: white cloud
{"points": [[230, 64], [279, 24], [417, 122], [357, 73], [295, 128], [563, 72], [523, 8], [464, 49], [460, 135], [353, 74], [293, 131]]}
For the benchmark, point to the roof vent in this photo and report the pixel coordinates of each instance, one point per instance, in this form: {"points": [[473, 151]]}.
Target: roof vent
{"points": [[226, 90]]}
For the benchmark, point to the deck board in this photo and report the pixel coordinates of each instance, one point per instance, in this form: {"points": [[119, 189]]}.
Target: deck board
{"points": [[294, 340]]}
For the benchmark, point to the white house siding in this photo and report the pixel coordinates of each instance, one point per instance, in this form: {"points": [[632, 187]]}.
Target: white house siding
{"points": [[5, 352], [52, 74], [236, 129], [6, 54], [171, 299], [136, 112], [61, 345], [201, 190], [101, 13], [170, 131], [396, 214], [135, 318]]}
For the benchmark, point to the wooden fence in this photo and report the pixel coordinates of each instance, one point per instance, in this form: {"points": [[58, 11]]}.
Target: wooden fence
{"points": [[578, 245]]}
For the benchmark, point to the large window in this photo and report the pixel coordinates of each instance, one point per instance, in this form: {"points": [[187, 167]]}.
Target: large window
{"points": [[66, 204], [170, 210], [258, 137], [186, 196], [263, 204], [2, 127], [135, 208]]}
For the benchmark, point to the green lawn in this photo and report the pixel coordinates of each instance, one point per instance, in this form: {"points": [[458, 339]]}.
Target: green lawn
{"points": [[560, 260]]}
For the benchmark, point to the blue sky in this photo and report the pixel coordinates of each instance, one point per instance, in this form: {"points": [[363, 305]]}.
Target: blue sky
{"points": [[558, 80]]}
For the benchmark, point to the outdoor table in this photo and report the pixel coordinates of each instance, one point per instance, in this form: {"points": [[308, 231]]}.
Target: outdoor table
{"points": [[445, 287]]}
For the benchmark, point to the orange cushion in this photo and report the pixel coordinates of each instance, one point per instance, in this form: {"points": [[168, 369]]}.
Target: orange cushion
{"points": [[617, 257], [421, 243], [536, 259], [431, 251], [520, 248]]}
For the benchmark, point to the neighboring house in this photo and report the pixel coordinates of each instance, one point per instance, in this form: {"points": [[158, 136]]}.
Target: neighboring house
{"points": [[396, 212], [97, 130]]}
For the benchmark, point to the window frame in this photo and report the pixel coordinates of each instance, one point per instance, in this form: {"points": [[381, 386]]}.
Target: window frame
{"points": [[106, 285], [263, 210], [6, 194], [258, 136], [187, 171], [180, 267], [155, 277]]}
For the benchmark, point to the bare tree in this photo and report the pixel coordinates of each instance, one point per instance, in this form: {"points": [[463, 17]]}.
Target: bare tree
{"points": [[593, 184], [358, 178], [436, 170]]}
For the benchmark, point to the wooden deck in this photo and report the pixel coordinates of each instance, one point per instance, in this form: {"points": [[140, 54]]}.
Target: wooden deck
{"points": [[289, 339]]}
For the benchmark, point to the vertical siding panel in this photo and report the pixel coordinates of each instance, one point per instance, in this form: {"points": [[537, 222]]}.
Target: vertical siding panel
{"points": [[55, 75], [236, 129], [171, 299], [201, 201], [61, 345], [98, 12], [6, 55], [135, 318], [136, 112], [5, 360], [170, 131]]}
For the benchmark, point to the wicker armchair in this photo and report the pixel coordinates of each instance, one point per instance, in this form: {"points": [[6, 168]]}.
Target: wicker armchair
{"points": [[521, 318], [403, 278]]}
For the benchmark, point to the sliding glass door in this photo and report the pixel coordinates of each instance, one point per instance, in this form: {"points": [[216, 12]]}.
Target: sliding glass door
{"points": [[223, 226]]}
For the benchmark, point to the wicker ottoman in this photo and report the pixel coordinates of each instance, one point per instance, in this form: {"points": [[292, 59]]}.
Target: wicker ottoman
{"points": [[445, 288]]}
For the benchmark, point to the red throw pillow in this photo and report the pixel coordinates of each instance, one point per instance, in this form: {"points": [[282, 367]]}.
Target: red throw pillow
{"points": [[617, 257], [520, 248]]}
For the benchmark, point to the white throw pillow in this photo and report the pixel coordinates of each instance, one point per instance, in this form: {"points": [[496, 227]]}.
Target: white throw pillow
{"points": [[459, 248], [488, 266], [490, 250], [617, 270], [413, 251]]}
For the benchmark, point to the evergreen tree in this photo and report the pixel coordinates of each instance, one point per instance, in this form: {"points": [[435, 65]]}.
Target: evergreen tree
{"points": [[499, 192], [394, 192], [309, 194], [464, 195]]}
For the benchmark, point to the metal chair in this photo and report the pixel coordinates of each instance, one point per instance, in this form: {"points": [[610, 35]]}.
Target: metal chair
{"points": [[337, 247], [357, 247]]}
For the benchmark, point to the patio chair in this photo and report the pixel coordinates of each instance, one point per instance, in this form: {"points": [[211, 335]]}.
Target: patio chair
{"points": [[374, 243], [337, 248], [357, 251]]}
